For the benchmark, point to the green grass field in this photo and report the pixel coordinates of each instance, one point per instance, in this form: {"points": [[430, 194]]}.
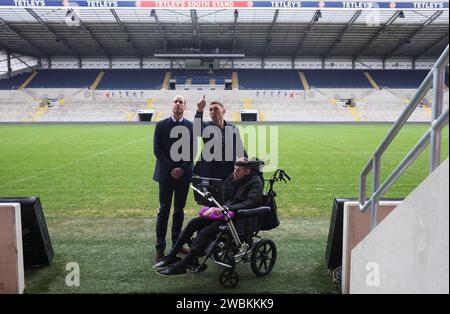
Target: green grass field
{"points": [[100, 202]]}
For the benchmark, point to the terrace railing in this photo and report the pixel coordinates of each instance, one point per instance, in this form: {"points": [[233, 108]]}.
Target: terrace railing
{"points": [[435, 80]]}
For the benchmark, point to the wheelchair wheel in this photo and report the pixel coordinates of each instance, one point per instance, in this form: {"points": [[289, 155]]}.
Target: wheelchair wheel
{"points": [[229, 278], [264, 255]]}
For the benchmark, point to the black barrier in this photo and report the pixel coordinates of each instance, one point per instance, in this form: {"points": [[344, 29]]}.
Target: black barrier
{"points": [[37, 246]]}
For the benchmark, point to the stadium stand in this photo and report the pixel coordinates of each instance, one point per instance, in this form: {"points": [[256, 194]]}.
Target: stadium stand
{"points": [[317, 105], [248, 79], [269, 79], [55, 78], [399, 78], [14, 82], [201, 77], [337, 79], [132, 79], [278, 95]]}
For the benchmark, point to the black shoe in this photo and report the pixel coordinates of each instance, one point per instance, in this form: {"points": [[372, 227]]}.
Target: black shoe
{"points": [[175, 269], [159, 256], [167, 261]]}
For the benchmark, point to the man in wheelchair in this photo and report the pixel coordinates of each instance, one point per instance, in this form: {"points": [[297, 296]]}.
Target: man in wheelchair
{"points": [[243, 189]]}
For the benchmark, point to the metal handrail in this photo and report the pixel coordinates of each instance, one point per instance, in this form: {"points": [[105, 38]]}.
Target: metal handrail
{"points": [[435, 79]]}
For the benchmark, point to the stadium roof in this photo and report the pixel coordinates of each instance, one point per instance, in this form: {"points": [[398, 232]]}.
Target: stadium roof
{"points": [[269, 32]]}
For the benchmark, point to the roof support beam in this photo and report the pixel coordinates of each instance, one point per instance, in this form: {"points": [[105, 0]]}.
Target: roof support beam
{"points": [[7, 50], [48, 29], [437, 43], [269, 36], [313, 21], [10, 53], [236, 15], [124, 29], [161, 29], [427, 23], [8, 64], [39, 50], [18, 58], [87, 30], [375, 37], [345, 30], [4, 49], [195, 27]]}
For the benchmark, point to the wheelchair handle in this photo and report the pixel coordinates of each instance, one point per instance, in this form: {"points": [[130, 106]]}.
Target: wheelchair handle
{"points": [[287, 176], [207, 195], [224, 211]]}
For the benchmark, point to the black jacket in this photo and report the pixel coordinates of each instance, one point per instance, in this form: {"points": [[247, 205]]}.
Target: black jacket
{"points": [[161, 148], [243, 194], [219, 169]]}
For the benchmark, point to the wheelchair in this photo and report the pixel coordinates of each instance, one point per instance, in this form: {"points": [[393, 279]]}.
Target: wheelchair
{"points": [[238, 240]]}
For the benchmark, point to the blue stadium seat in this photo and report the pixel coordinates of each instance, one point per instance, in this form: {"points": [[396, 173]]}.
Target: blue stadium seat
{"points": [[221, 75], [14, 82], [56, 78], [399, 78], [132, 79], [200, 77], [269, 79], [337, 79], [248, 79]]}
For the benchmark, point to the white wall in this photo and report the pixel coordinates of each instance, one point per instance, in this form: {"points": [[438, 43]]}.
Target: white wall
{"points": [[308, 63], [338, 63], [398, 64], [368, 63], [408, 252], [125, 63], [248, 64], [225, 64], [95, 63], [424, 64], [271, 63], [150, 63], [245, 63], [179, 64], [64, 63]]}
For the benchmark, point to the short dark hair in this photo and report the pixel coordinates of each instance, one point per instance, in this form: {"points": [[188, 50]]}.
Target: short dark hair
{"points": [[216, 102], [243, 162], [252, 163]]}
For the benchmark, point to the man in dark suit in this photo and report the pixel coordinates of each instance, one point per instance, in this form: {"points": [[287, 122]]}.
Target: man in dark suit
{"points": [[212, 163], [173, 148]]}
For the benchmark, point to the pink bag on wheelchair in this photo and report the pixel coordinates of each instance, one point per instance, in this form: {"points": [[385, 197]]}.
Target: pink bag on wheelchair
{"points": [[216, 214]]}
